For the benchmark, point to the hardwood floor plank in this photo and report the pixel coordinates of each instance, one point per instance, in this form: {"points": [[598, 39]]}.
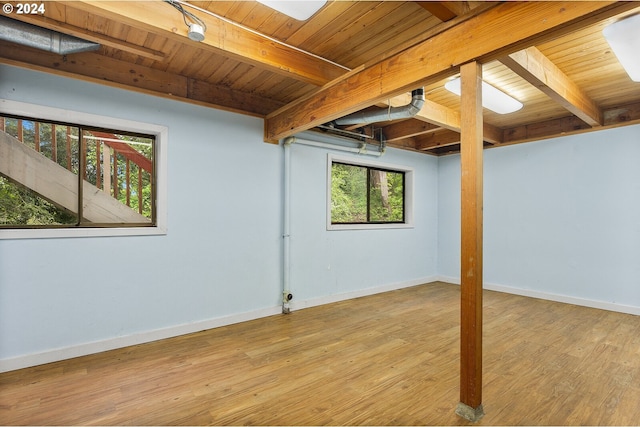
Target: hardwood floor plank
{"points": [[387, 359]]}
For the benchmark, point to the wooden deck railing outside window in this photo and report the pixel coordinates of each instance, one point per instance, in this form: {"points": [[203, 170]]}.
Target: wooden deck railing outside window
{"points": [[111, 161]]}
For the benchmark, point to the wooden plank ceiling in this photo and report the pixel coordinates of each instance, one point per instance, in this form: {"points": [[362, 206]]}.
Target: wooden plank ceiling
{"points": [[356, 55]]}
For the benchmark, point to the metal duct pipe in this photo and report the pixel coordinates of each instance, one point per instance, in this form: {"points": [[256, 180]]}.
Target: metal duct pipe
{"points": [[387, 114], [41, 38]]}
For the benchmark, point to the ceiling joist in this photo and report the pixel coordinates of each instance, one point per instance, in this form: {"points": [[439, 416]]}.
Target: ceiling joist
{"points": [[408, 129], [510, 27], [438, 9], [613, 117], [537, 69], [222, 38], [241, 66], [96, 68], [441, 139], [435, 116]]}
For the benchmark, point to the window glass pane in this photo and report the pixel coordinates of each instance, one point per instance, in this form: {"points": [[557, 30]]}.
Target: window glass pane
{"points": [[20, 206], [38, 179], [348, 194], [366, 195], [40, 183], [118, 174], [386, 196]]}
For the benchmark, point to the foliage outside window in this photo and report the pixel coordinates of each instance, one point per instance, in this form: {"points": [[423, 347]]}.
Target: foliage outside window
{"points": [[367, 195], [60, 175]]}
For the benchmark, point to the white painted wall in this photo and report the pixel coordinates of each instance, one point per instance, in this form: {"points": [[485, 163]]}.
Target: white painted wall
{"points": [[561, 216], [221, 259]]}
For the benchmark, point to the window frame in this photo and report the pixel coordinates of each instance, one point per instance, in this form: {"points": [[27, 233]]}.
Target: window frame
{"points": [[46, 113], [359, 161]]}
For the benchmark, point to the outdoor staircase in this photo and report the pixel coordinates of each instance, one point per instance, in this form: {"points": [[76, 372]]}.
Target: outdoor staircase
{"points": [[29, 168]]}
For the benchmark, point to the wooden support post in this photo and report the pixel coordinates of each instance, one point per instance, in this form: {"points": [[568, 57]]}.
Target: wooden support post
{"points": [[470, 406]]}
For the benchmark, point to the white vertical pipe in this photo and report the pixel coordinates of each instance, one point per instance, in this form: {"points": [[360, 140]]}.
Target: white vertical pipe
{"points": [[286, 214], [286, 207]]}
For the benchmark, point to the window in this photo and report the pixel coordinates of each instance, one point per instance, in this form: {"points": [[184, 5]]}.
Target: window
{"points": [[63, 179], [368, 195]]}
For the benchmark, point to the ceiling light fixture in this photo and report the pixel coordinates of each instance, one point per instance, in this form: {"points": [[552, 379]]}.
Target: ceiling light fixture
{"points": [[297, 9], [492, 98], [624, 38], [196, 26], [196, 32]]}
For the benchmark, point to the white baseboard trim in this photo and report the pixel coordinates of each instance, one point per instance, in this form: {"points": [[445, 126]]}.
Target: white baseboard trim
{"points": [[602, 305], [329, 299], [15, 363], [29, 360]]}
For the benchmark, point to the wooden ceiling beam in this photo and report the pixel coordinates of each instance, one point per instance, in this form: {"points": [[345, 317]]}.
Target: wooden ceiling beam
{"points": [[445, 10], [541, 72], [480, 8], [459, 7], [92, 67], [613, 117], [407, 129], [222, 38], [444, 117], [440, 115], [435, 140], [503, 29], [438, 9], [404, 144]]}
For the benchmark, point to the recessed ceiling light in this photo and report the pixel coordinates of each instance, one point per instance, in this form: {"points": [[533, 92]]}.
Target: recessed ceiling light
{"points": [[492, 98], [297, 9], [624, 38]]}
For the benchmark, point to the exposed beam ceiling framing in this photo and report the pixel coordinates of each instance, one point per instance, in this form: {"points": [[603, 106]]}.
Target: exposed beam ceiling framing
{"points": [[538, 70], [438, 9], [510, 27], [613, 117], [100, 69], [353, 56], [232, 40], [409, 129]]}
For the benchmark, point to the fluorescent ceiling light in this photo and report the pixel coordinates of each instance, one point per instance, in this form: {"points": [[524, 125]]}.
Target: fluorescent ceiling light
{"points": [[297, 9], [492, 98], [624, 38]]}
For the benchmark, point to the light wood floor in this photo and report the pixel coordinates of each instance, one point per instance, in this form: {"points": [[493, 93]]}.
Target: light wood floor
{"points": [[387, 359]]}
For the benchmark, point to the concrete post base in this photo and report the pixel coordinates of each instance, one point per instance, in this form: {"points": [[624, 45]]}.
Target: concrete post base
{"points": [[469, 413]]}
